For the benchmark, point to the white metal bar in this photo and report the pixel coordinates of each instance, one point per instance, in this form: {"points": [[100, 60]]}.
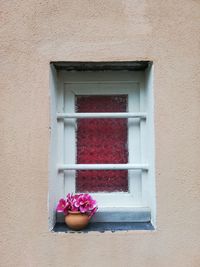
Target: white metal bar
{"points": [[102, 115], [63, 167]]}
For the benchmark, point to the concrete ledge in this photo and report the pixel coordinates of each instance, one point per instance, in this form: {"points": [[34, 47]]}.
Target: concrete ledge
{"points": [[104, 227]]}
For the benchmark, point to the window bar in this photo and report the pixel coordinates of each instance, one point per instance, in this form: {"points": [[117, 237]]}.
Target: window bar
{"points": [[64, 167], [102, 115]]}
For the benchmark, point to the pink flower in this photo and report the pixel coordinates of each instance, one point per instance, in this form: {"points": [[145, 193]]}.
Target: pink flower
{"points": [[61, 205], [85, 203], [79, 202]]}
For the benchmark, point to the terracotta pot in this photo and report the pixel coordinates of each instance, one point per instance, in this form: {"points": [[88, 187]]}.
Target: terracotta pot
{"points": [[76, 220]]}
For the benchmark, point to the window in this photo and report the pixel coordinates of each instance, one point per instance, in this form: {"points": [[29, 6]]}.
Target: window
{"points": [[102, 139]]}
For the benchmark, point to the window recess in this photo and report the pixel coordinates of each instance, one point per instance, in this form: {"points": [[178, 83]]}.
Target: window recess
{"points": [[104, 141]]}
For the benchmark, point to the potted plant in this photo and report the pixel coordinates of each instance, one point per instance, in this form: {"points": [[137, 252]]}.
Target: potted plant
{"points": [[78, 210]]}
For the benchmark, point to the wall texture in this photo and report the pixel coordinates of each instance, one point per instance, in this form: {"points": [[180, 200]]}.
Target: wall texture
{"points": [[33, 33]]}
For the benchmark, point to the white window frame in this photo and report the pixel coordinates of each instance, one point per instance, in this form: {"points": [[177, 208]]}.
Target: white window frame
{"points": [[138, 205]]}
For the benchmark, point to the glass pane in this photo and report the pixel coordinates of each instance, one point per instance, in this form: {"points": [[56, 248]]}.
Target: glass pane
{"points": [[102, 141]]}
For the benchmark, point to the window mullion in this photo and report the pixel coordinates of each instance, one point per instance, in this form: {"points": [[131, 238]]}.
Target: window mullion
{"points": [[69, 141], [135, 183]]}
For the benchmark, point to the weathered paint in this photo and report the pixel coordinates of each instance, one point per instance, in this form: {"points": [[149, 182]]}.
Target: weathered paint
{"points": [[33, 33]]}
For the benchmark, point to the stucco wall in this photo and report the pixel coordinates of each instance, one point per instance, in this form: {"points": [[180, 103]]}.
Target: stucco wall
{"points": [[37, 32]]}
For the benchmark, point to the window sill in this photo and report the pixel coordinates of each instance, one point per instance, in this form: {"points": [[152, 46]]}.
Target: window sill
{"points": [[106, 226]]}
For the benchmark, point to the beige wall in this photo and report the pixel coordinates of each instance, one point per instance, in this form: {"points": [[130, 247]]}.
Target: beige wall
{"points": [[36, 32]]}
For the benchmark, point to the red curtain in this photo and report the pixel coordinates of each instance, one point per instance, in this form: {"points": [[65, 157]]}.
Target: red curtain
{"points": [[101, 141]]}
